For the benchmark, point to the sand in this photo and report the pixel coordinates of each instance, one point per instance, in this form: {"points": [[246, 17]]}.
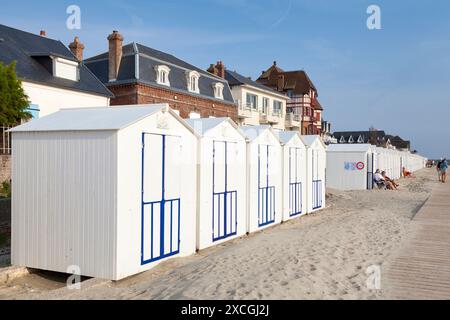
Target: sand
{"points": [[320, 256]]}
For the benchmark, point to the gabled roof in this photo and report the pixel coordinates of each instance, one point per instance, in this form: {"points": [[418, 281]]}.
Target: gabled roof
{"points": [[203, 125], [93, 119], [266, 74], [253, 132], [33, 55], [235, 79], [299, 81], [310, 139], [286, 136], [138, 66]]}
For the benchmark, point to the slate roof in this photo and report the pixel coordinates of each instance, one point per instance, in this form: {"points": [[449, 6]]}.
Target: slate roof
{"points": [[398, 142], [365, 135], [137, 66], [33, 56], [236, 79]]}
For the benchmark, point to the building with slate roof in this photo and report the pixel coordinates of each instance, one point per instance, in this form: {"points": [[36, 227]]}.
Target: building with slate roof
{"points": [[372, 136], [257, 104], [51, 75], [304, 103], [138, 74]]}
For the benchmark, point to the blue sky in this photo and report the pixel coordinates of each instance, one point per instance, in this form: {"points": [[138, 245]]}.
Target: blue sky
{"points": [[396, 78]]}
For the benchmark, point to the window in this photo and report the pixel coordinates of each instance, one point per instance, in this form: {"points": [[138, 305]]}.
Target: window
{"points": [[218, 90], [162, 75], [360, 139], [290, 93], [350, 140], [265, 105], [252, 101], [277, 107], [66, 69], [342, 140], [192, 81]]}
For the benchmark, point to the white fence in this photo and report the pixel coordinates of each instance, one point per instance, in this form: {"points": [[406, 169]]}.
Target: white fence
{"points": [[5, 141]]}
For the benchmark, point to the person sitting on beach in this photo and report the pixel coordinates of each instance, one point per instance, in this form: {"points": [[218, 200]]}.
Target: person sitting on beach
{"points": [[391, 184], [407, 173], [379, 180], [443, 167]]}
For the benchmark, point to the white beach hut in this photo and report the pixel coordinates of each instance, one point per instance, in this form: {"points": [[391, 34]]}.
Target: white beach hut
{"points": [[110, 191], [264, 178], [222, 181], [316, 168], [294, 174], [350, 166]]}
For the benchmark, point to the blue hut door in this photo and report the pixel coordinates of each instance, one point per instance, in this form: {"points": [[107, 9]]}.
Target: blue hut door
{"points": [[370, 170], [224, 202], [161, 197], [266, 192], [295, 184], [317, 182]]}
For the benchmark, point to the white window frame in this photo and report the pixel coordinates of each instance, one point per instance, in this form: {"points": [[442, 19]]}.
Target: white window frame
{"points": [[192, 78], [351, 140], [218, 90], [162, 75], [342, 140], [274, 111], [58, 68], [265, 105]]}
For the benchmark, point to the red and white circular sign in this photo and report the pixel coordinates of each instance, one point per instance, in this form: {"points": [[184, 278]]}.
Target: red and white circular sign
{"points": [[360, 166]]}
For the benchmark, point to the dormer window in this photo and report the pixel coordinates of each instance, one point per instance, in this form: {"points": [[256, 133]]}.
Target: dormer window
{"points": [[66, 69], [192, 81], [351, 140], [218, 90], [162, 75], [360, 139], [342, 140]]}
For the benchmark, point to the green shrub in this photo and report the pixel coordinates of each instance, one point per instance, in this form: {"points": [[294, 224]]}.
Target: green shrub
{"points": [[5, 189]]}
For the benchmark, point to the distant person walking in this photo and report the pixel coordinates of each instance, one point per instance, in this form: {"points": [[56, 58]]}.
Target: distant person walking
{"points": [[443, 167], [438, 169]]}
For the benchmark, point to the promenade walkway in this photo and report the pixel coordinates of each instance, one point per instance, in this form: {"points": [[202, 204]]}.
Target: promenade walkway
{"points": [[422, 268]]}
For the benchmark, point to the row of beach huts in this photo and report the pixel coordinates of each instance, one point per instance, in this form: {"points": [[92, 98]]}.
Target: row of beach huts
{"points": [[114, 191]]}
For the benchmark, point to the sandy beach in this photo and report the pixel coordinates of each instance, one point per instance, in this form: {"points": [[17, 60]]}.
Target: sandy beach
{"points": [[321, 256]]}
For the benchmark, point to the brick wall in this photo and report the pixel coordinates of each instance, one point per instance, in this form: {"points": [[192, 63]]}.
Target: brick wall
{"points": [[5, 168], [185, 103]]}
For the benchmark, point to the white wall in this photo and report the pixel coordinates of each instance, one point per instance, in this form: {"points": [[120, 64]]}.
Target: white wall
{"points": [[51, 99], [63, 201], [275, 179], [318, 162], [342, 178], [302, 174], [236, 182], [129, 191]]}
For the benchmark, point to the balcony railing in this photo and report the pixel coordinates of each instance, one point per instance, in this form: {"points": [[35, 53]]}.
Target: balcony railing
{"points": [[245, 110]]}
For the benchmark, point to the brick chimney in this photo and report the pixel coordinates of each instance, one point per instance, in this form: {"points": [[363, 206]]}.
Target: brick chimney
{"points": [[218, 69], [77, 48], [280, 82], [115, 54], [43, 33]]}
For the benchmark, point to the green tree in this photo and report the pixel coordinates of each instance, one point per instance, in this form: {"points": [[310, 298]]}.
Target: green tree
{"points": [[13, 100]]}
